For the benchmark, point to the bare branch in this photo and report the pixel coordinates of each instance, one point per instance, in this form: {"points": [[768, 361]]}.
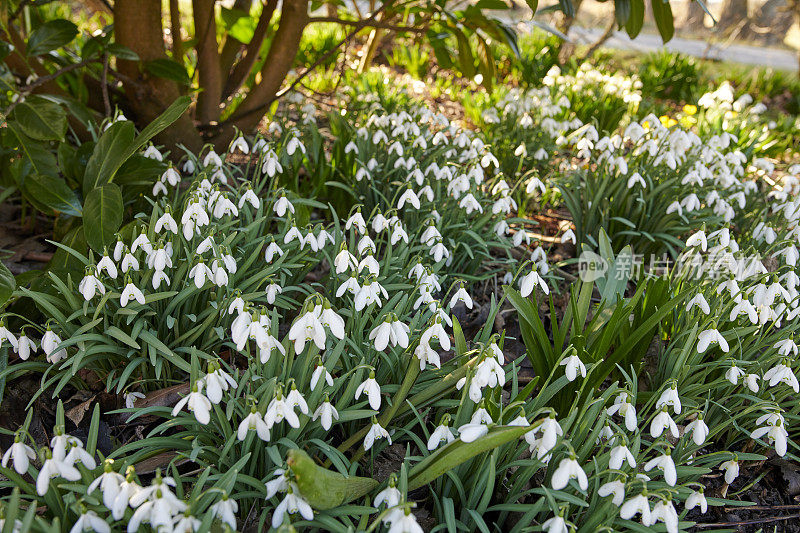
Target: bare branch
{"points": [[369, 23], [250, 55]]}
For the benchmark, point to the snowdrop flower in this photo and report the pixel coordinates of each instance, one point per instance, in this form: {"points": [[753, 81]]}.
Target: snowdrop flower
{"points": [[212, 159], [472, 431], [321, 372], [153, 153], [391, 496], [239, 144], [626, 409], [697, 499], [751, 380], [402, 521], [442, 433], [50, 342], [731, 468], [253, 421], [272, 291], [196, 403], [282, 204], [568, 236], [786, 347], [780, 373], [666, 465], [25, 346], [670, 398], [327, 413], [107, 264], [109, 483], [20, 454], [697, 239], [410, 197], [226, 508], [530, 281], [573, 365], [664, 511], [776, 434], [568, 469], [89, 521], [615, 488], [279, 409], [376, 432], [708, 337], [661, 422], [698, 301], [555, 524], [461, 295], [218, 381], [54, 467], [271, 250], [635, 179], [372, 390], [390, 331], [619, 455], [90, 285], [699, 430], [733, 374], [200, 273], [131, 292], [637, 505]]}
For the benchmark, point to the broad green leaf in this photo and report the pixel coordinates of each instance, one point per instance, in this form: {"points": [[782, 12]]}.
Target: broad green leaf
{"points": [[636, 18], [239, 24], [51, 35], [102, 215], [41, 119], [323, 488], [108, 155], [168, 69], [62, 260], [36, 157], [458, 451], [7, 284], [662, 13], [622, 11], [54, 193]]}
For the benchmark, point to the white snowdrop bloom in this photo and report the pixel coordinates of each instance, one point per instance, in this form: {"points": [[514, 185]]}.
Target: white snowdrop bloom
{"points": [[408, 197], [158, 277], [131, 292], [50, 342], [619, 455], [186, 523], [390, 331], [272, 291], [132, 397], [637, 505], [107, 264], [441, 434], [573, 365], [109, 483], [469, 204], [439, 251], [711, 336], [614, 488], [200, 273], [461, 295], [530, 281], [20, 454], [212, 159], [661, 422], [698, 301], [293, 145], [90, 521], [249, 196], [295, 399], [751, 380], [25, 346], [555, 524], [271, 165], [636, 179], [731, 468], [776, 435], [402, 521], [90, 285], [189, 166], [253, 421], [786, 347], [698, 429], [153, 153], [697, 499], [569, 468], [675, 207], [472, 431], [356, 220], [670, 398], [52, 468], [371, 389], [376, 432], [733, 374], [271, 250], [239, 144], [218, 381], [535, 184], [196, 403], [327, 413], [282, 205], [368, 294], [664, 511], [398, 234], [129, 262], [171, 176], [697, 239], [143, 242], [320, 373], [664, 463], [390, 496], [780, 373], [568, 236], [280, 409], [626, 409], [226, 508]]}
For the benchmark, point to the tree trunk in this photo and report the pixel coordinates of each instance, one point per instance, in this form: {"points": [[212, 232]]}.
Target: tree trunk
{"points": [[695, 16], [733, 17], [242, 68], [208, 64], [282, 51], [137, 25], [175, 31]]}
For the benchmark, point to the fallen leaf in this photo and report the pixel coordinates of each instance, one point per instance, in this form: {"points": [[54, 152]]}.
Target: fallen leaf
{"points": [[77, 413]]}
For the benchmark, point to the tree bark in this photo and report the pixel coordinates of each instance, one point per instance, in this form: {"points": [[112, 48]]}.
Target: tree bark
{"points": [[695, 16], [208, 64], [175, 30], [734, 17], [231, 46], [250, 55], [137, 25], [281, 55]]}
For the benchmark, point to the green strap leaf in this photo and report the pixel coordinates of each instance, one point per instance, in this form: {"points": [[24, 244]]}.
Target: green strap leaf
{"points": [[102, 215], [323, 488], [41, 119], [7, 284], [662, 13]]}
